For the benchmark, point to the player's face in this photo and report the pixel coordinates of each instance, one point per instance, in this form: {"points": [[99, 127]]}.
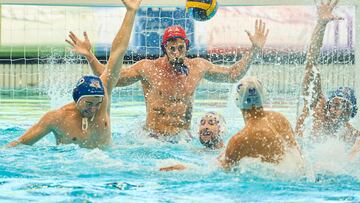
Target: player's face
{"points": [[209, 131], [88, 106], [339, 109], [176, 50]]}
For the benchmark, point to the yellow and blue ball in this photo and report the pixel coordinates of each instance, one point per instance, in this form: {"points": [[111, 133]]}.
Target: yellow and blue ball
{"points": [[201, 10]]}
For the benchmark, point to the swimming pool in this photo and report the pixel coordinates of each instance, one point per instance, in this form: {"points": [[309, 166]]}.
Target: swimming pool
{"points": [[128, 171]]}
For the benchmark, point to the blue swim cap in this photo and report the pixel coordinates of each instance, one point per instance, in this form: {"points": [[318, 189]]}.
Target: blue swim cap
{"points": [[88, 85], [347, 94]]}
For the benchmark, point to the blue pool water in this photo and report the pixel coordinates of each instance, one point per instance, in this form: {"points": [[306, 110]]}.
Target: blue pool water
{"points": [[129, 170]]}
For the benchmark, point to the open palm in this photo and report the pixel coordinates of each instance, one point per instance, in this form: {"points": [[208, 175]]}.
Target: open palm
{"points": [[132, 4], [82, 47], [324, 11], [258, 39]]}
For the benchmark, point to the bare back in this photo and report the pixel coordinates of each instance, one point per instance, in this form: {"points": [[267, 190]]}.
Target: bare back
{"points": [[267, 137]]}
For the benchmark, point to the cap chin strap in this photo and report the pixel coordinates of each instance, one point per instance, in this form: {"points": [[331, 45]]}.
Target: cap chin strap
{"points": [[85, 123]]}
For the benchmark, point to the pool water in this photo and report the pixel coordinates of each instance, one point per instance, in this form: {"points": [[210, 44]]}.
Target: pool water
{"points": [[128, 171]]}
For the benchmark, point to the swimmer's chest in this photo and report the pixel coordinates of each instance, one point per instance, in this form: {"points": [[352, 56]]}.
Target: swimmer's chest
{"points": [[72, 132], [169, 84]]}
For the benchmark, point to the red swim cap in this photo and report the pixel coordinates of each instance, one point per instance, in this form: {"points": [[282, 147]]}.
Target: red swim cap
{"points": [[172, 32]]}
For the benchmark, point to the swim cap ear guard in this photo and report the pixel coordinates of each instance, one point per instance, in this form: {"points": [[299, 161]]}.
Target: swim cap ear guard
{"points": [[345, 93], [88, 86], [249, 94]]}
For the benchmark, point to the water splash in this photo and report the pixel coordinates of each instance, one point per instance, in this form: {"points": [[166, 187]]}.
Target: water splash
{"points": [[60, 76]]}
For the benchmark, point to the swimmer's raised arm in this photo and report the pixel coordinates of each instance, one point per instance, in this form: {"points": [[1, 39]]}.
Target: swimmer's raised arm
{"points": [[312, 76], [36, 132], [127, 76], [233, 74], [119, 46], [84, 48], [312, 90]]}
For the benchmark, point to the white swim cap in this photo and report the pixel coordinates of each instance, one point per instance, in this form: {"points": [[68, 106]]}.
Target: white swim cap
{"points": [[249, 93]]}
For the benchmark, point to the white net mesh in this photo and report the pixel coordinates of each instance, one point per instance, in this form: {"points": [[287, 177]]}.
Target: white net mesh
{"points": [[36, 62]]}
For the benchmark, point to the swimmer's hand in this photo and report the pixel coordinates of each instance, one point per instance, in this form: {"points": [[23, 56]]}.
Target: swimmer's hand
{"points": [[131, 5], [324, 11], [258, 39], [11, 144], [177, 167], [82, 47]]}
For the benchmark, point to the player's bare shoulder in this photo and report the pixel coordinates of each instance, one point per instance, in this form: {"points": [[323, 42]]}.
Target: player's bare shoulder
{"points": [[65, 112], [279, 121], [199, 65], [276, 116], [198, 62], [53, 118], [150, 65], [242, 135], [144, 64]]}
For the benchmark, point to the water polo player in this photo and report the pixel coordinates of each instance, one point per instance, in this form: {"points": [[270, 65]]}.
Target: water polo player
{"points": [[212, 130], [169, 82], [86, 121], [325, 117], [266, 135]]}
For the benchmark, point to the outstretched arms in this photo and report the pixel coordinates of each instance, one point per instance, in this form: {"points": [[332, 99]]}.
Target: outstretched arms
{"points": [[36, 132], [238, 70]]}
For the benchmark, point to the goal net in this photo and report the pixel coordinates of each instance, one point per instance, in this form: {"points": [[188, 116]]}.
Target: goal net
{"points": [[35, 61]]}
